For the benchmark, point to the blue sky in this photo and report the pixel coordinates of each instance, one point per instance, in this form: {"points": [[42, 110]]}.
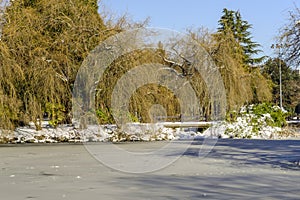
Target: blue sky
{"points": [[266, 16]]}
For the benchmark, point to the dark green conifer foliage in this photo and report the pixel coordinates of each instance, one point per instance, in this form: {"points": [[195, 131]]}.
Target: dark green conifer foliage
{"points": [[232, 23]]}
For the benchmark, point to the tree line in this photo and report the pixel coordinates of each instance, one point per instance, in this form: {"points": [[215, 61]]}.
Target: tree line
{"points": [[44, 42]]}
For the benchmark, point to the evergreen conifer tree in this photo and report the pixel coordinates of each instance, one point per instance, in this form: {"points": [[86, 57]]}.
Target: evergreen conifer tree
{"points": [[231, 22]]}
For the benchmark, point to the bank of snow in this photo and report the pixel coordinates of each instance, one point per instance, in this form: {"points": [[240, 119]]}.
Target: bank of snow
{"points": [[102, 133], [256, 121], [132, 132]]}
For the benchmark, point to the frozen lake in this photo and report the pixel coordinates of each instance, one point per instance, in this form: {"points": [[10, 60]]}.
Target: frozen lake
{"points": [[234, 169]]}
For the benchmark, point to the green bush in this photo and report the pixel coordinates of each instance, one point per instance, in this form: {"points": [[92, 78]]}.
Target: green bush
{"points": [[278, 115], [104, 117], [56, 112], [255, 120]]}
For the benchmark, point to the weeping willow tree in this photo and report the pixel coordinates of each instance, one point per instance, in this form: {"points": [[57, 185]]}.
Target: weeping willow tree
{"points": [[243, 83], [9, 102], [228, 57], [143, 98], [45, 41], [233, 51]]}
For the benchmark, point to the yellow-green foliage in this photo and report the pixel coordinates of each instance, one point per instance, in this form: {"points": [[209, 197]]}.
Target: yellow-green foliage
{"points": [[56, 113], [243, 83], [46, 42], [10, 72], [146, 96]]}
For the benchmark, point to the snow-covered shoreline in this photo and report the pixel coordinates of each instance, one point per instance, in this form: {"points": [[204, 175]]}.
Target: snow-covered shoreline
{"points": [[110, 133], [94, 133]]}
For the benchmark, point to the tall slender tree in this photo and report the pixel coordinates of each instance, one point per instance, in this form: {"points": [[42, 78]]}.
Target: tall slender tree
{"points": [[232, 23]]}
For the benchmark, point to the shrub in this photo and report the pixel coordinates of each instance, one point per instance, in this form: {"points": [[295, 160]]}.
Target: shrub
{"points": [[255, 120]]}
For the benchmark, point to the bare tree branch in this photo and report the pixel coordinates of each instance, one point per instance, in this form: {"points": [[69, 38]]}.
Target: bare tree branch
{"points": [[290, 38]]}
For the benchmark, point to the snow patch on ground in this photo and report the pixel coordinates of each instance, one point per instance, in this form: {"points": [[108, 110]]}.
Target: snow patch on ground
{"points": [[133, 132], [95, 133]]}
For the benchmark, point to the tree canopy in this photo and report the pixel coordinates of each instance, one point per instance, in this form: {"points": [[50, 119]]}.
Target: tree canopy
{"points": [[290, 82], [290, 40], [243, 85], [44, 43], [231, 23]]}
